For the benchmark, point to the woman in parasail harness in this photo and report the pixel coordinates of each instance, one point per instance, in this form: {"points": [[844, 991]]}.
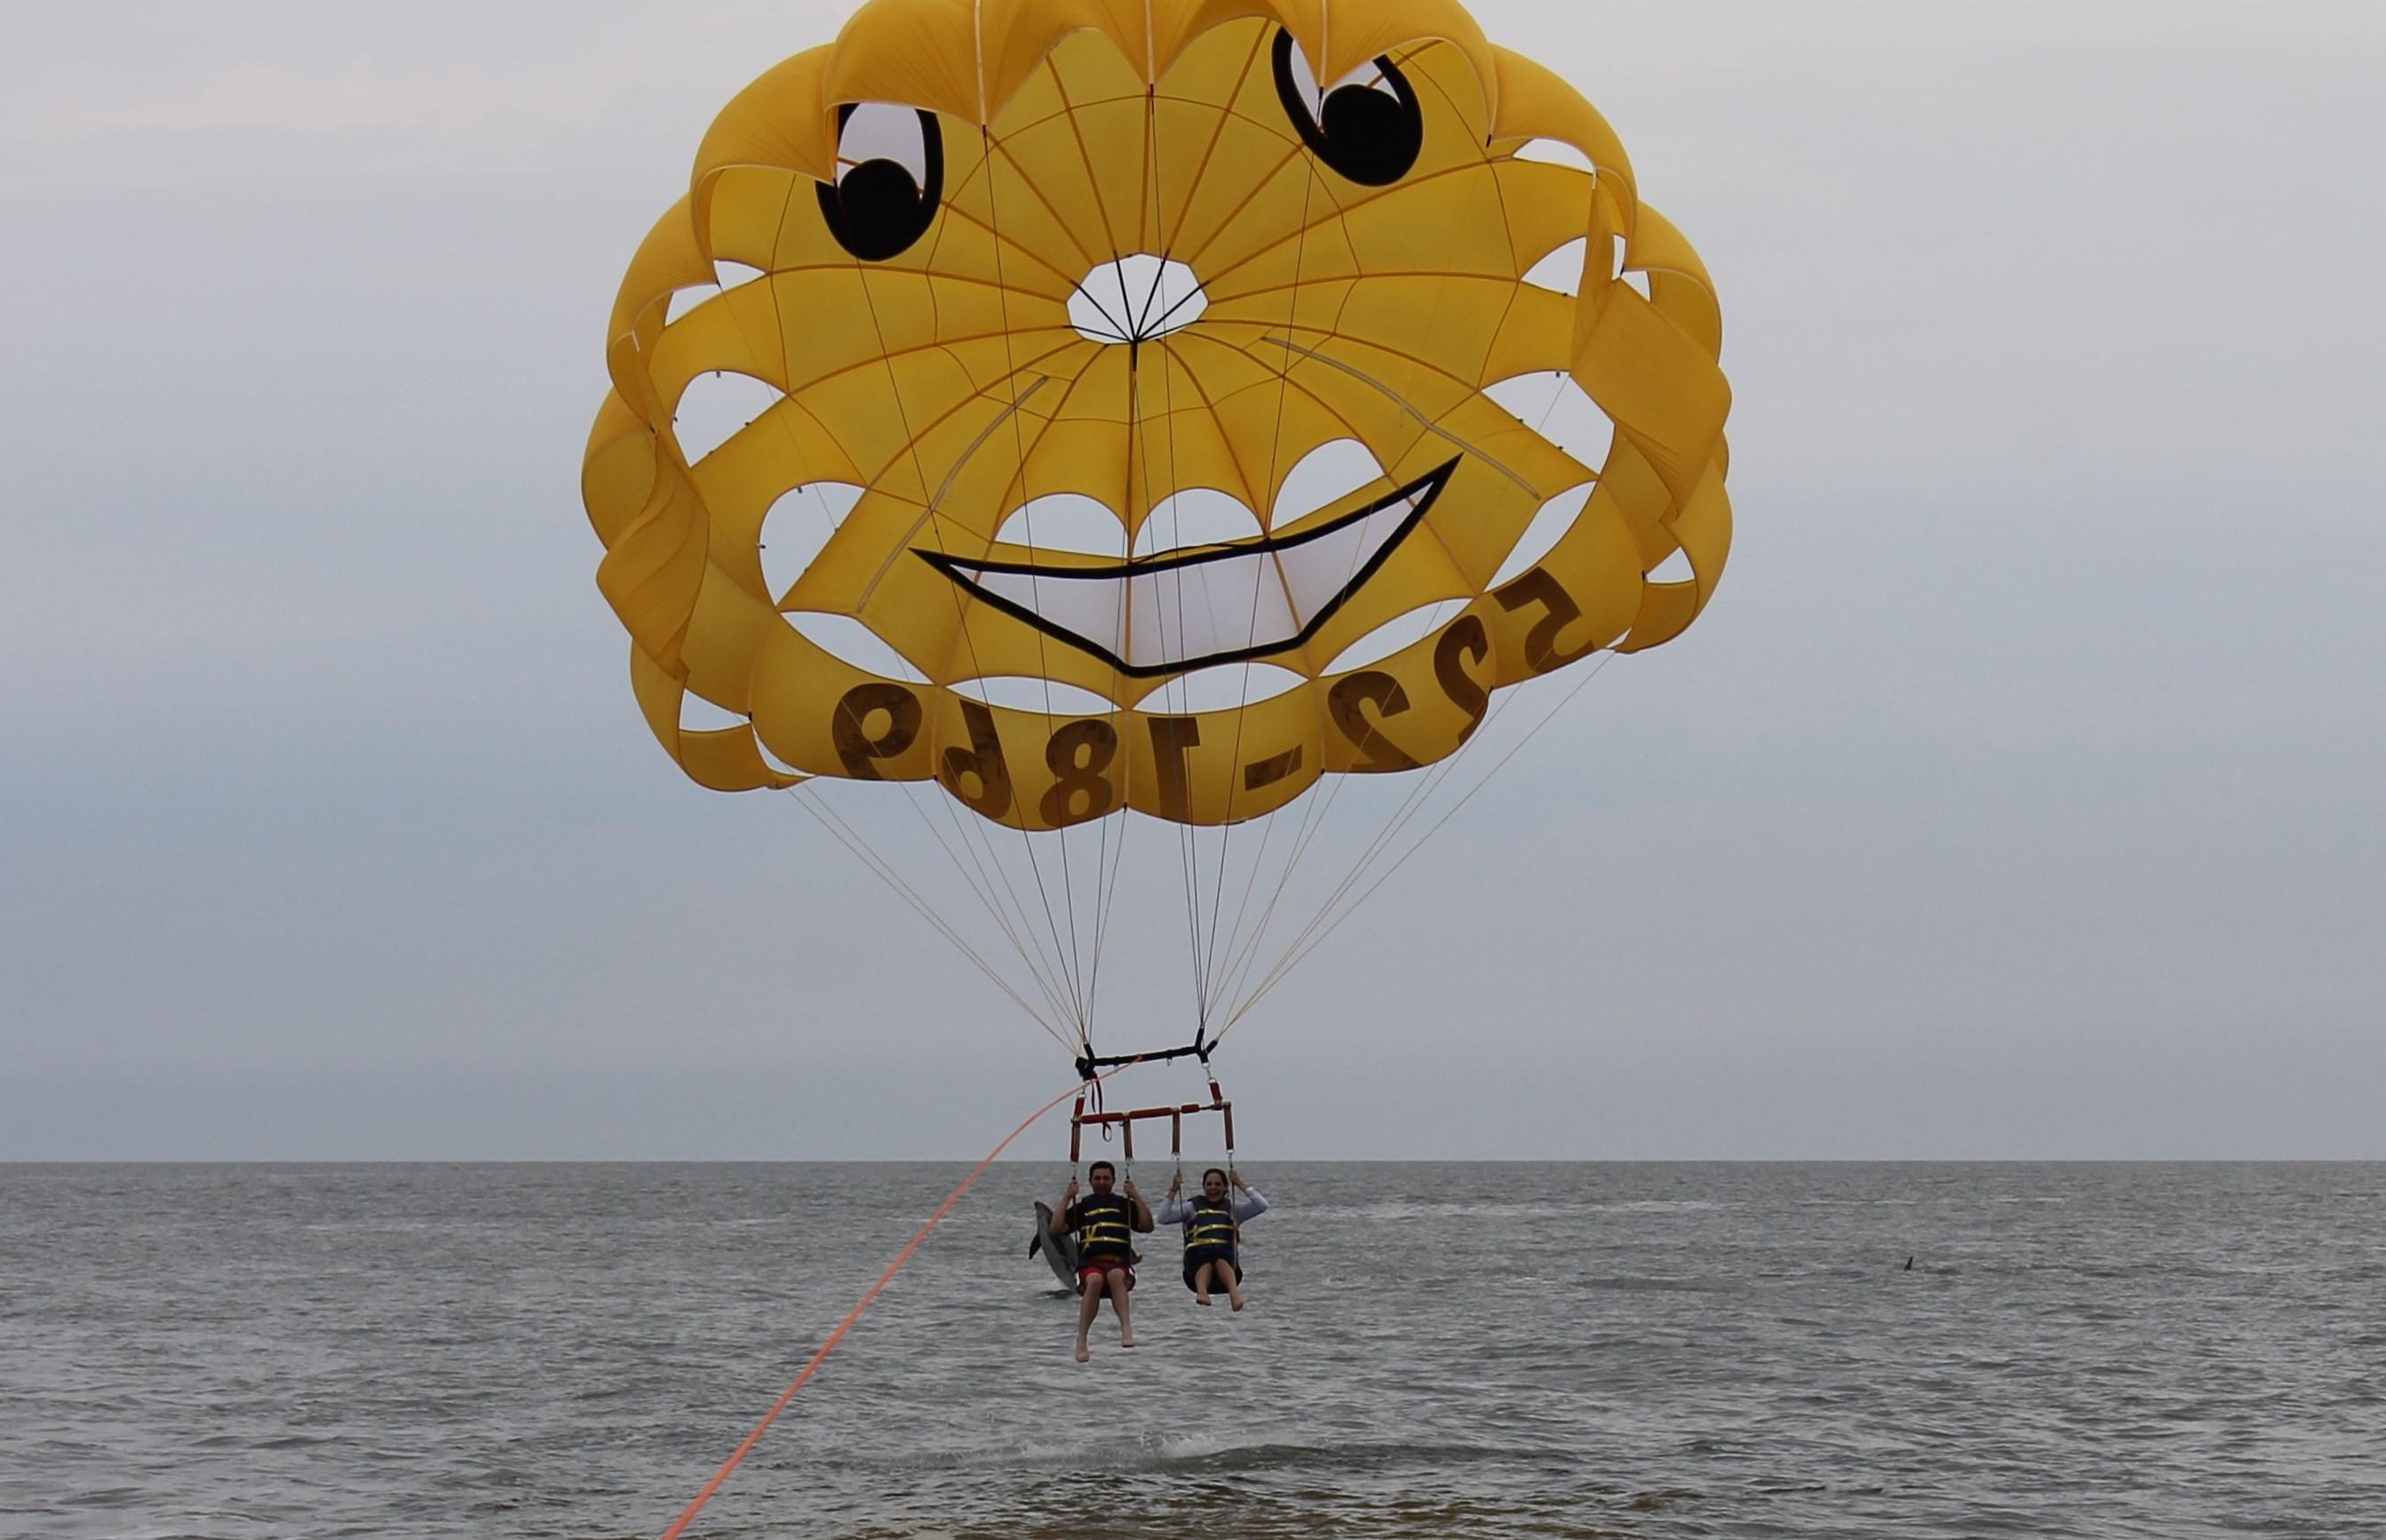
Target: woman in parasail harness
{"points": [[1106, 1224], [1211, 1253]]}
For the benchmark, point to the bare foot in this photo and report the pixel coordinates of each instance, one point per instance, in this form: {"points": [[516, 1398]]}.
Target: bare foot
{"points": [[1235, 1298], [1126, 1339], [1083, 1353], [1201, 1299]]}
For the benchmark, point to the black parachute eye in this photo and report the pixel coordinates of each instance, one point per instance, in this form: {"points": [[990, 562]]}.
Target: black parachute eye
{"points": [[1368, 126], [890, 175]]}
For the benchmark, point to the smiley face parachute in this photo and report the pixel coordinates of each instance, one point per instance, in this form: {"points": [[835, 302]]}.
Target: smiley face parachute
{"points": [[1142, 410]]}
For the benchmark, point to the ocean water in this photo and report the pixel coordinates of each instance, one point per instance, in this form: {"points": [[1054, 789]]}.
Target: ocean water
{"points": [[2165, 1351]]}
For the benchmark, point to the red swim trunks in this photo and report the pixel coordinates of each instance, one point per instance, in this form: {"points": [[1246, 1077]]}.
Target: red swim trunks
{"points": [[1099, 1272]]}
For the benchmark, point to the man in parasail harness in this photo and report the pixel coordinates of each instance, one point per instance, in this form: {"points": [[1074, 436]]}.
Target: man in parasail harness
{"points": [[1212, 1234], [1106, 1224]]}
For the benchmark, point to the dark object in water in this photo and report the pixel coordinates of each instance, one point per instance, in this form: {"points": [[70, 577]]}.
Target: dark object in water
{"points": [[1058, 1251], [1909, 1265]]}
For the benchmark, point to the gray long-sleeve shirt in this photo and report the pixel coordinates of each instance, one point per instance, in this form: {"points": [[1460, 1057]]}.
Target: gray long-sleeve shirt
{"points": [[1247, 1203]]}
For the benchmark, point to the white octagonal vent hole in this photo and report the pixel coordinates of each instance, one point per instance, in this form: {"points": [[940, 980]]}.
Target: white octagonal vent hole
{"points": [[1136, 299]]}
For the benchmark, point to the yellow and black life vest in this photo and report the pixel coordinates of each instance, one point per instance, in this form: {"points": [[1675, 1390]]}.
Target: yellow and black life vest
{"points": [[1212, 1229], [1105, 1229]]}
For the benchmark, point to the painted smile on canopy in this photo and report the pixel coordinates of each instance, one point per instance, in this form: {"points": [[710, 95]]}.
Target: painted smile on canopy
{"points": [[1216, 603]]}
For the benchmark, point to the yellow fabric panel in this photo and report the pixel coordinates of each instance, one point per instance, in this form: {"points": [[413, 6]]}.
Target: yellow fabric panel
{"points": [[668, 261], [1536, 102], [1678, 286], [1018, 33], [1419, 573], [725, 632], [1542, 206], [724, 333], [651, 573], [1213, 768], [777, 122], [617, 475], [747, 209], [930, 355], [1704, 528], [823, 716], [1106, 151], [1216, 223], [1179, 26], [1412, 708], [743, 481], [720, 759], [1357, 30], [918, 53], [1580, 597], [1642, 496], [1536, 334], [1664, 394], [986, 643]]}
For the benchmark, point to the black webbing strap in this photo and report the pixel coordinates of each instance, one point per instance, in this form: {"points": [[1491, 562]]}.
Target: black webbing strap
{"points": [[1090, 1064]]}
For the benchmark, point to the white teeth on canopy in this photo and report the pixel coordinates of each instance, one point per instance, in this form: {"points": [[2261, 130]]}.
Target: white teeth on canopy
{"points": [[1197, 517], [1324, 477], [1066, 522], [1215, 601]]}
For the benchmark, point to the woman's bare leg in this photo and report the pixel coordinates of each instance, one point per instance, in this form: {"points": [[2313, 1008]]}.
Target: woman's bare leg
{"points": [[1202, 1283], [1234, 1284]]}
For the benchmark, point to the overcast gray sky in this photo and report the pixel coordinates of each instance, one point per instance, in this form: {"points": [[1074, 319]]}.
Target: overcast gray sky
{"points": [[2020, 795]]}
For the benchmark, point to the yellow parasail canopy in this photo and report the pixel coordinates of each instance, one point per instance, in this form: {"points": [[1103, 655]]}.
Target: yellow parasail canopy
{"points": [[1107, 350]]}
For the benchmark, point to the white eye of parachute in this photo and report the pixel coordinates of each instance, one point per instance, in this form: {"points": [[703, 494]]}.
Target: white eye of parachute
{"points": [[1370, 75], [1368, 126], [890, 176], [880, 131]]}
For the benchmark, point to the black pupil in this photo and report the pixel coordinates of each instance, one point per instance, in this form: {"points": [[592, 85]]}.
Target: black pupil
{"points": [[1370, 132], [1357, 112], [879, 208], [879, 191]]}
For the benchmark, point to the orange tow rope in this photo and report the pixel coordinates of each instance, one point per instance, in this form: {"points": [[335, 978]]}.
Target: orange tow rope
{"points": [[679, 1525]]}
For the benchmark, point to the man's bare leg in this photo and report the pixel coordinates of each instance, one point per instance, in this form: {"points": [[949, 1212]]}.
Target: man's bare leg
{"points": [[1202, 1283], [1116, 1278], [1234, 1284], [1089, 1307]]}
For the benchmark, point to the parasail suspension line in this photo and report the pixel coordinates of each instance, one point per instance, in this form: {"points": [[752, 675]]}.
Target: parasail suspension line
{"points": [[1026, 487], [1294, 959], [1030, 949], [885, 873], [911, 443]]}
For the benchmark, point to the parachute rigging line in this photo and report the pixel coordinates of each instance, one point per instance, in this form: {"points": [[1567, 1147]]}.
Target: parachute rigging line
{"points": [[1190, 843], [1427, 785], [1275, 458], [844, 833], [1292, 961], [1300, 846], [1103, 892], [1027, 503], [884, 871], [961, 616]]}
